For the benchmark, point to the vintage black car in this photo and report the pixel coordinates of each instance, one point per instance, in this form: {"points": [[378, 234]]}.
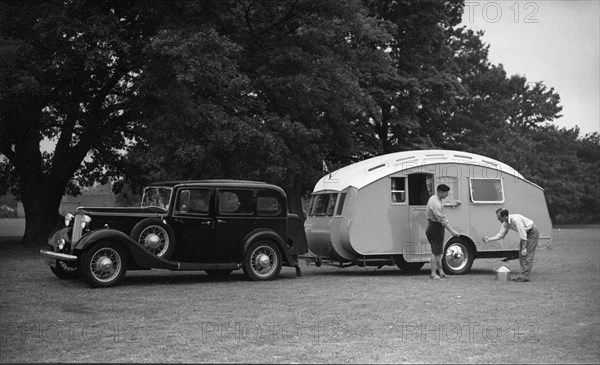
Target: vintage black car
{"points": [[213, 225]]}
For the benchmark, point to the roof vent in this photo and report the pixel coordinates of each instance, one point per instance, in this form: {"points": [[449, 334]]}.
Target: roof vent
{"points": [[376, 167]]}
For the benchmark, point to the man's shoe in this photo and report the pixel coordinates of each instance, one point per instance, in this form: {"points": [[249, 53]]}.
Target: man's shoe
{"points": [[435, 277], [521, 280]]}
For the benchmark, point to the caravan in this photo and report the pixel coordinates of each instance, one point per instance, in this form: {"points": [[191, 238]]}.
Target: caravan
{"points": [[372, 213]]}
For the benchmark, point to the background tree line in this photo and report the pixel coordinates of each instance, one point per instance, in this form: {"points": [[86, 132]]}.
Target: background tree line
{"points": [[141, 91]]}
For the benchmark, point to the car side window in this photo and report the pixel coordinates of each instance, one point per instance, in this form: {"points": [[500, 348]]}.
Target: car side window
{"points": [[236, 202], [193, 201], [268, 204]]}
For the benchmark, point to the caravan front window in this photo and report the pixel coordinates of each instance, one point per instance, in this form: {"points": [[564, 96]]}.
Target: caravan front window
{"points": [[490, 191], [323, 204]]}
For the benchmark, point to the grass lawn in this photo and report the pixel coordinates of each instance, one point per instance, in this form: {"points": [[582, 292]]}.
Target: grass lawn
{"points": [[329, 315]]}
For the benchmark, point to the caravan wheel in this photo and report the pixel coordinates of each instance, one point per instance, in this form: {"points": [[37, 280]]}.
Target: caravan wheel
{"points": [[458, 257]]}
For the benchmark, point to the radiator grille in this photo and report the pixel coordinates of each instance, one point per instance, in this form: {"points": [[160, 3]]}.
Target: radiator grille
{"points": [[77, 230]]}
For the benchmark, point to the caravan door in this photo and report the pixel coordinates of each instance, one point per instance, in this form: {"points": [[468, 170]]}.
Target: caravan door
{"points": [[420, 188]]}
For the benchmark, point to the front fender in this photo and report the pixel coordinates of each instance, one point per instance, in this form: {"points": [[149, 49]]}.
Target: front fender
{"points": [[271, 236], [141, 256]]}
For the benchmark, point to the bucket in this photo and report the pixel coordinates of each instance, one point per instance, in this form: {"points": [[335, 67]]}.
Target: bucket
{"points": [[503, 273]]}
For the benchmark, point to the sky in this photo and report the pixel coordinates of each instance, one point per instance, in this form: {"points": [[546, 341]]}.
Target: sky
{"points": [[556, 42]]}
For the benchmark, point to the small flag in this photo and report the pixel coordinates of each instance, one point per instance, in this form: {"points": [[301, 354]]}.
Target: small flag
{"points": [[326, 169]]}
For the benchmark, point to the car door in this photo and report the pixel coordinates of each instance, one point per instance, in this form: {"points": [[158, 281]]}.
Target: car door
{"points": [[235, 218], [193, 224]]}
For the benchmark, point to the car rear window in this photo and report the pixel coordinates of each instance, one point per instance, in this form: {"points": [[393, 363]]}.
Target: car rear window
{"points": [[268, 205]]}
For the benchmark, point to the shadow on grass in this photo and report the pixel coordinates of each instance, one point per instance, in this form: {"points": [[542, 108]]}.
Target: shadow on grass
{"points": [[161, 277], [365, 272]]}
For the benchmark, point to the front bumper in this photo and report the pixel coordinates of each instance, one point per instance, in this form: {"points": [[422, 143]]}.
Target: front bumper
{"points": [[58, 256]]}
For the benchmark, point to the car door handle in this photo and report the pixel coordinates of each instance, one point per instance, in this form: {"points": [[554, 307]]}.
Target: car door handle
{"points": [[221, 221], [206, 223]]}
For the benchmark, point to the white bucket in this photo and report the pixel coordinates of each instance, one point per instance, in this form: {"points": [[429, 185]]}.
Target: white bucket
{"points": [[503, 273]]}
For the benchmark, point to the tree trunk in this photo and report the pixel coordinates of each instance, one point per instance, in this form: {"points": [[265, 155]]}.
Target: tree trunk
{"points": [[41, 216], [294, 194]]}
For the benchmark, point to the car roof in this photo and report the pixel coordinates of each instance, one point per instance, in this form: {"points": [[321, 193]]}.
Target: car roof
{"points": [[219, 182]]}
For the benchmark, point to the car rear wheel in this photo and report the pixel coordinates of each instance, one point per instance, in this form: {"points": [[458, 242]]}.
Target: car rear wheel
{"points": [[262, 261], [155, 236], [458, 257], [103, 265]]}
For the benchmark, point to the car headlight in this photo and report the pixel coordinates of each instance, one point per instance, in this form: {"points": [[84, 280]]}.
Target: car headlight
{"points": [[86, 219], [68, 218], [61, 244]]}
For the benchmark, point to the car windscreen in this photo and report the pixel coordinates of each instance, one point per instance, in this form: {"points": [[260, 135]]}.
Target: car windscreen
{"points": [[157, 196]]}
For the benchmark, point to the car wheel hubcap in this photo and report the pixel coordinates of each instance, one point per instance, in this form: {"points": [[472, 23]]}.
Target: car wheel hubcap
{"points": [[104, 264], [153, 241], [263, 260], [457, 257]]}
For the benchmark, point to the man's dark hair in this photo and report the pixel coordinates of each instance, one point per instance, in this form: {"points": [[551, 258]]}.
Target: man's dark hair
{"points": [[443, 187], [503, 212]]}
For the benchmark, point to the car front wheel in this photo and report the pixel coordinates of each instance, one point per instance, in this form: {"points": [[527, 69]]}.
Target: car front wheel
{"points": [[262, 261], [103, 265]]}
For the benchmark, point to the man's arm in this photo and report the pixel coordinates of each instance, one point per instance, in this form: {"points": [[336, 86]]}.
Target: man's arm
{"points": [[500, 235], [452, 230]]}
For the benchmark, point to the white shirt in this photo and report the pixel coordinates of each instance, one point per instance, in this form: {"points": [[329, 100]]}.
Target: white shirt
{"points": [[517, 223]]}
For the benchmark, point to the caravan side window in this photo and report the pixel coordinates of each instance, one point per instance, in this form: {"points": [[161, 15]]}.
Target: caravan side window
{"points": [[490, 191], [341, 204], [398, 189]]}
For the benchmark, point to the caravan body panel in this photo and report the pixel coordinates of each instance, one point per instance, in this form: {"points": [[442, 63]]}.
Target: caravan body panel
{"points": [[377, 207]]}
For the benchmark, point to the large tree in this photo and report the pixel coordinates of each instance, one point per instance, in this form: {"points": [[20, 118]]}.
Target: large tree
{"points": [[414, 109], [295, 100], [68, 72]]}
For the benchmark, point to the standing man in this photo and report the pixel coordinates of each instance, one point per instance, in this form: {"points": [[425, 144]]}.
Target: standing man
{"points": [[437, 222], [528, 234]]}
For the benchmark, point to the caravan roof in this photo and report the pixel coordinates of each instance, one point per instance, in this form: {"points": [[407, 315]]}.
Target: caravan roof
{"points": [[364, 172]]}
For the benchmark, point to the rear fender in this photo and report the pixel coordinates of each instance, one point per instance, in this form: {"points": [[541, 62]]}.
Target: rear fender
{"points": [[297, 235], [140, 256], [273, 237]]}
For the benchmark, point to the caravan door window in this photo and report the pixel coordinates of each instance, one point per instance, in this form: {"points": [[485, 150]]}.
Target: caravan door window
{"points": [[420, 188], [490, 191]]}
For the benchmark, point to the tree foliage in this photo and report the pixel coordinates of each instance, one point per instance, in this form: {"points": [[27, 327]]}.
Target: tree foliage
{"points": [[142, 91]]}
